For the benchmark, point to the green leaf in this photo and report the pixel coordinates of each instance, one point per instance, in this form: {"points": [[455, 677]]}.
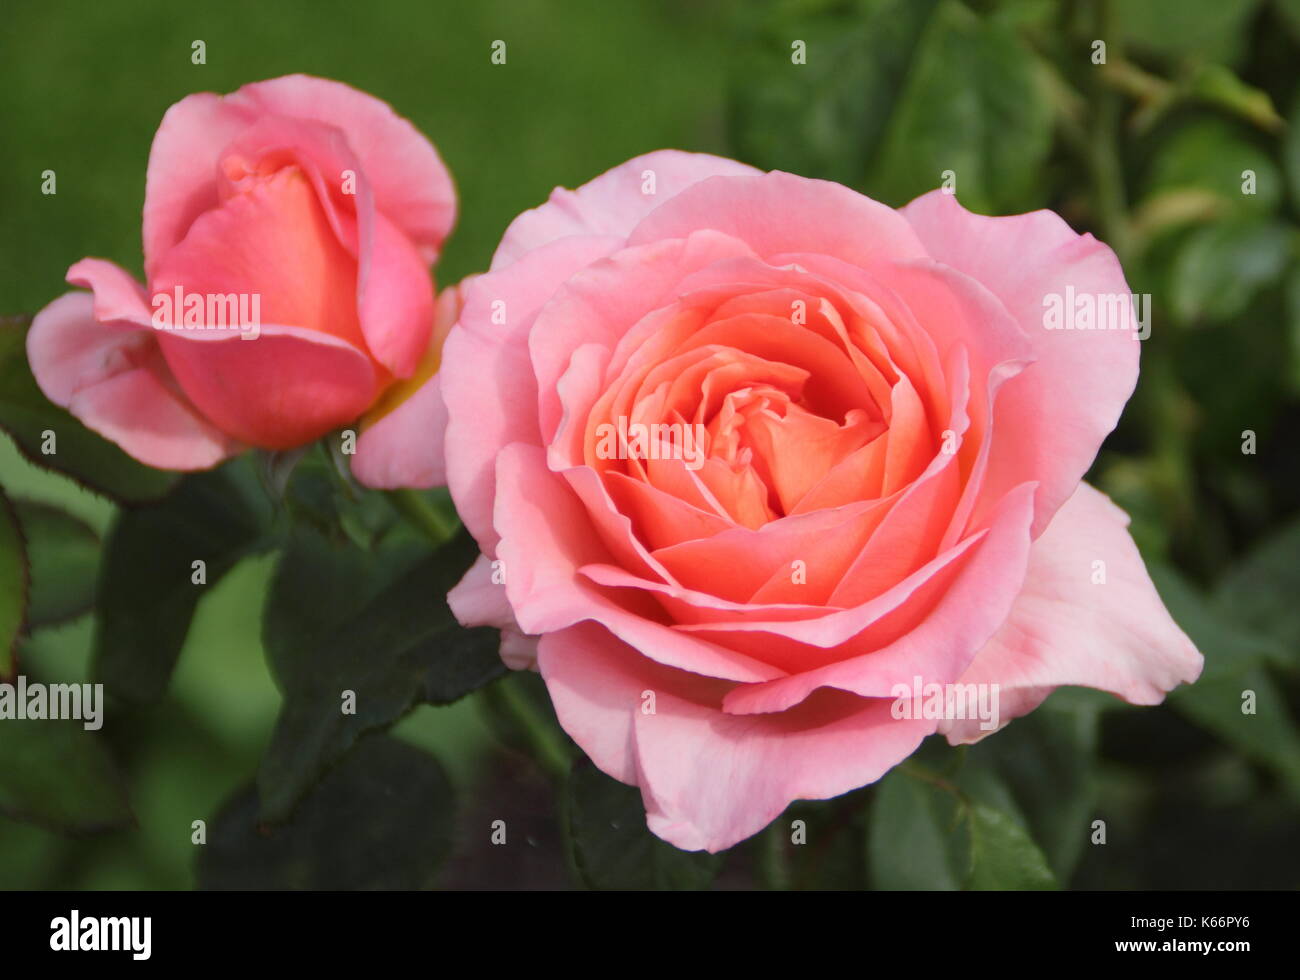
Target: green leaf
{"points": [[929, 833], [1260, 592], [58, 775], [1235, 663], [1003, 856], [31, 419], [15, 587], [825, 118], [64, 555], [147, 593], [1229, 647], [1211, 30], [829, 851], [1220, 87], [1221, 267], [338, 620], [316, 492], [1210, 155], [611, 846], [911, 844], [1290, 11], [383, 819], [1293, 328], [1047, 761], [519, 712], [974, 104], [1291, 152], [1266, 734]]}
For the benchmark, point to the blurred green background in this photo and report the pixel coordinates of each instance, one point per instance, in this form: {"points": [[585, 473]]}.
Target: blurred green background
{"points": [[1147, 151]]}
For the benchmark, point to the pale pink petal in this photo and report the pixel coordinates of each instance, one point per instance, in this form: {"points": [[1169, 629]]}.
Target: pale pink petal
{"points": [[709, 780], [614, 202], [405, 447], [1051, 420], [181, 182], [600, 303], [777, 212], [119, 299], [1068, 628], [479, 601], [115, 381], [487, 378]]}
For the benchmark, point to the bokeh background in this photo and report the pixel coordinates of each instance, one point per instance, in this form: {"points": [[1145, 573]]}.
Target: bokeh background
{"points": [[1148, 151]]}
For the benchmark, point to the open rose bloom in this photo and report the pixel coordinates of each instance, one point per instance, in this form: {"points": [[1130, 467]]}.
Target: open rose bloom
{"points": [[746, 452], [288, 233]]}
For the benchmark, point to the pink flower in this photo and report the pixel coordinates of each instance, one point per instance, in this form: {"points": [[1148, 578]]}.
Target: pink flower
{"points": [[874, 477], [288, 233]]}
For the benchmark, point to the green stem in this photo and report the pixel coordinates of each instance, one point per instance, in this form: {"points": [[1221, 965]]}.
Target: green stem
{"points": [[1103, 145], [774, 862], [422, 515], [550, 751]]}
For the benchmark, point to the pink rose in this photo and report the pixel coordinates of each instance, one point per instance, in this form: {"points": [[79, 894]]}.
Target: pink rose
{"points": [[874, 477], [288, 233]]}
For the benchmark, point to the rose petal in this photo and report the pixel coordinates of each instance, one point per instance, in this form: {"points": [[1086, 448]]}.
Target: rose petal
{"points": [[778, 212], [412, 186], [709, 780], [611, 204], [116, 382], [487, 378], [1066, 629], [1086, 376]]}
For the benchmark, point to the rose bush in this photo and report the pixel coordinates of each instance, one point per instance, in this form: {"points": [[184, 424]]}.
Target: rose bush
{"points": [[887, 486], [309, 201]]}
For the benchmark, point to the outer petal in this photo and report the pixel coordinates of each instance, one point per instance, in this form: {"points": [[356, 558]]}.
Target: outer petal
{"points": [[181, 180], [118, 298], [402, 437], [777, 212], [478, 601], [115, 381], [281, 390], [1064, 629], [487, 378], [1085, 376], [614, 202], [394, 298], [405, 447], [710, 780]]}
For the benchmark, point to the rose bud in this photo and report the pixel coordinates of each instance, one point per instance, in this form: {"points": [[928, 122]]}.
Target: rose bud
{"points": [[289, 229]]}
